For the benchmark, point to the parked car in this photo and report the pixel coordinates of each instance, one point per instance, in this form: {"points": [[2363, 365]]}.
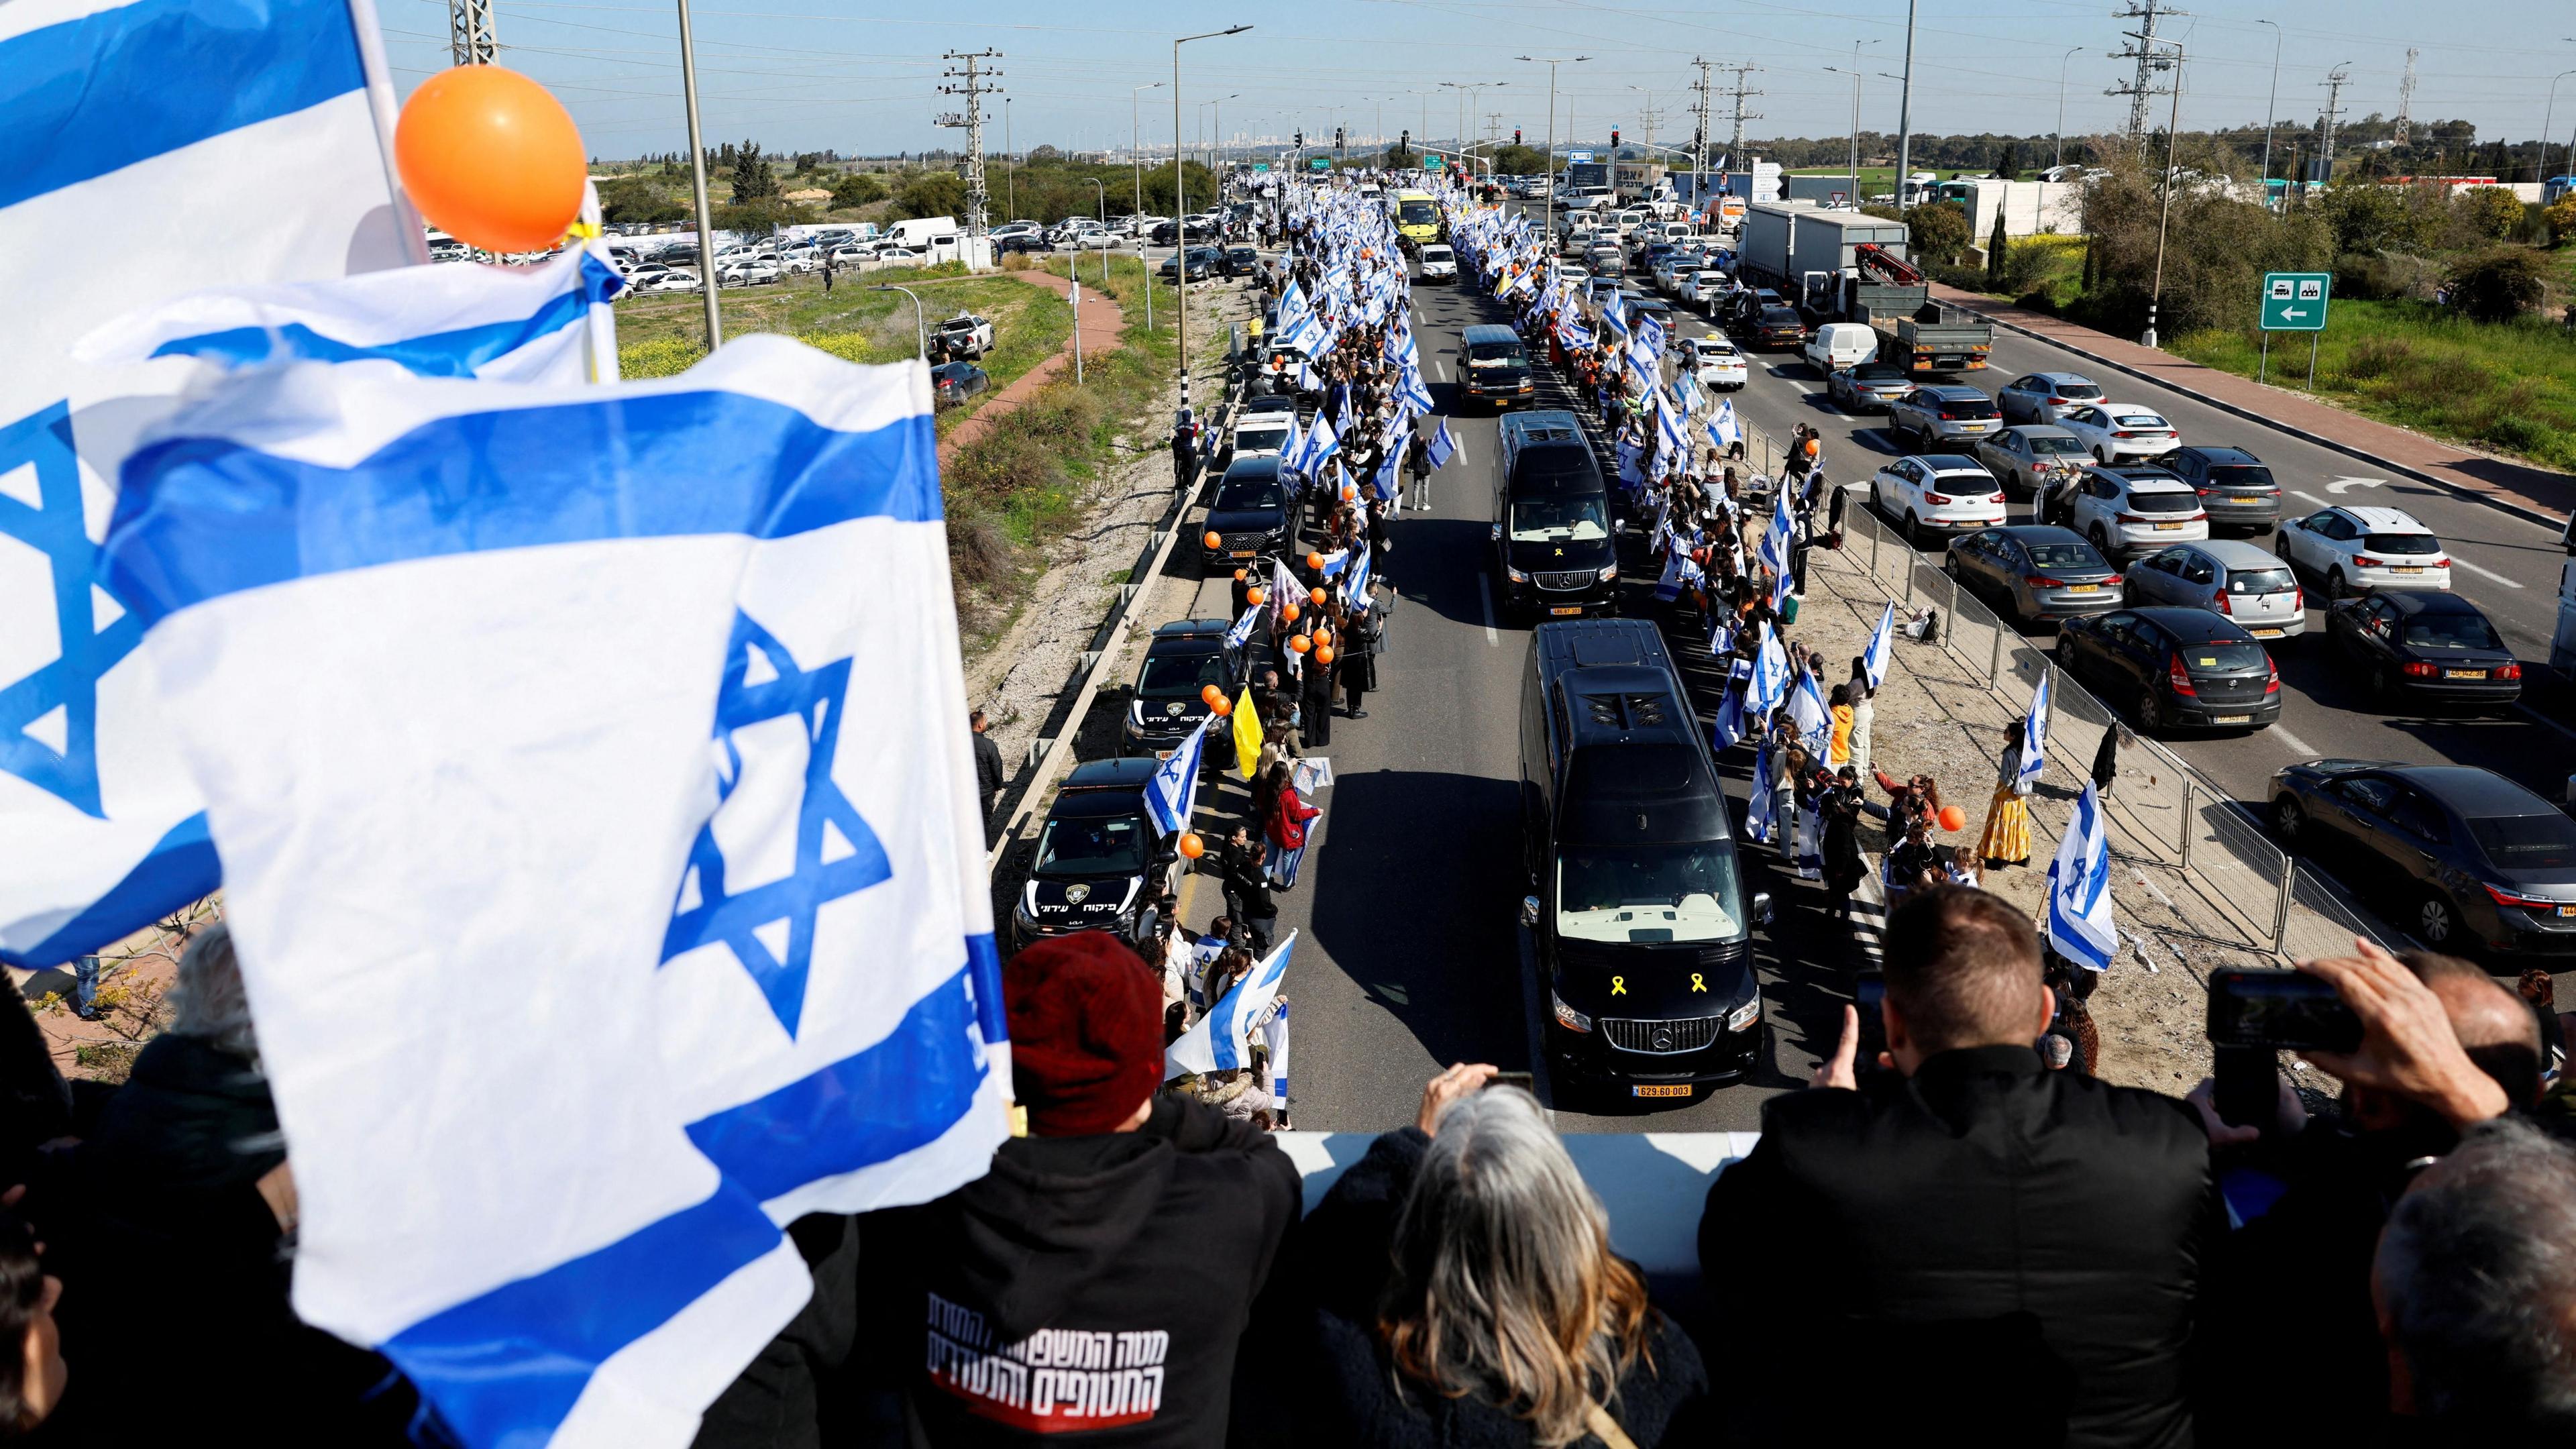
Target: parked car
{"points": [[1944, 412], [2225, 576], [1202, 263], [1716, 363], [898, 256], [2173, 668], [2030, 460], [2234, 486], [1778, 327], [2035, 572], [1869, 387], [1255, 512], [2044, 397], [1166, 703], [2114, 432], [2131, 510], [2466, 859], [1940, 492], [2427, 645], [1169, 233], [1239, 261], [968, 335], [669, 279], [748, 274], [2355, 550], [952, 383], [1439, 262]]}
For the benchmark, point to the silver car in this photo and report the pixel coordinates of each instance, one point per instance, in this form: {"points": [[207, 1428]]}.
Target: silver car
{"points": [[2044, 397], [2035, 572], [1944, 412], [2026, 457], [2225, 576]]}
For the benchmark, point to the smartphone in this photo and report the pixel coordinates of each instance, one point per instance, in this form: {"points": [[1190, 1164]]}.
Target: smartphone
{"points": [[1868, 990], [2281, 1010], [1526, 1081]]}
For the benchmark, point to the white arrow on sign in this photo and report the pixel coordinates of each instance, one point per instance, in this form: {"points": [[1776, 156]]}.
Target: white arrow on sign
{"points": [[2346, 485], [2293, 314]]}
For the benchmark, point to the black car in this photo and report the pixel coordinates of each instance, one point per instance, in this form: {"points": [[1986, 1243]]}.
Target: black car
{"points": [[1024, 241], [2036, 572], [2235, 489], [1255, 512], [2426, 643], [1099, 859], [2174, 667], [2468, 858], [1240, 261], [1201, 261], [1552, 543], [1777, 327], [1169, 233], [952, 383], [1187, 656]]}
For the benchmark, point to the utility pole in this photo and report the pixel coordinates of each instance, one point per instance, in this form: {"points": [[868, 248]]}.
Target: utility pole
{"points": [[2143, 90], [2336, 79], [1905, 112], [1552, 62], [2405, 100], [1699, 130], [979, 204], [1741, 93], [469, 32]]}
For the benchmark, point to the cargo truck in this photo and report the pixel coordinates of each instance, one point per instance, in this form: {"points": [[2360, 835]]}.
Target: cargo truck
{"points": [[1845, 266]]}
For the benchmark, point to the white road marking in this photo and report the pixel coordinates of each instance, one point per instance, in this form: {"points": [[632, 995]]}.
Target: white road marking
{"points": [[1440, 369], [2491, 575], [2345, 485], [2297, 746], [1485, 591], [1457, 446]]}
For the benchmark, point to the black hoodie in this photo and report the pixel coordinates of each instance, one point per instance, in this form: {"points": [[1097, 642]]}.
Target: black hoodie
{"points": [[1087, 1290]]}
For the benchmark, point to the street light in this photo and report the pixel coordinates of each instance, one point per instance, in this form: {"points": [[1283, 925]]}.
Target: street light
{"points": [[1548, 205], [2059, 136], [698, 181], [1905, 112], [2273, 105], [1467, 90], [2164, 216], [1136, 152], [2546, 117], [1853, 196], [920, 329], [1180, 225]]}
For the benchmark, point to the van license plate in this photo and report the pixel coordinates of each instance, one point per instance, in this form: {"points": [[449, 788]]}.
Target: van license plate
{"points": [[2464, 674], [2232, 719], [1569, 609], [2232, 498], [1243, 553], [2083, 588], [1660, 1091]]}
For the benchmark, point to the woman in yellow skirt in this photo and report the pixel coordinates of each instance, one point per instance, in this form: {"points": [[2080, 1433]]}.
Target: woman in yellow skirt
{"points": [[2007, 837]]}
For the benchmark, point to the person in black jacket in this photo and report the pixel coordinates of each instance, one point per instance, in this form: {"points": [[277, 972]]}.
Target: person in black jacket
{"points": [[1096, 1283], [2002, 1254], [988, 773], [1458, 1290]]}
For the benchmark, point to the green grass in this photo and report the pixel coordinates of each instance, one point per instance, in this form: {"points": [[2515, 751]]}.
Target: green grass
{"points": [[2509, 388]]}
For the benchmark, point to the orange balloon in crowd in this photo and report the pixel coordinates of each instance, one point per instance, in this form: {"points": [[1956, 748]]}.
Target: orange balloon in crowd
{"points": [[1300, 643], [1314, 560], [1953, 818], [1238, 576], [1254, 597], [1222, 707], [491, 158], [1323, 635], [1315, 595], [1212, 695], [1323, 653], [1289, 611], [1192, 846], [1217, 541]]}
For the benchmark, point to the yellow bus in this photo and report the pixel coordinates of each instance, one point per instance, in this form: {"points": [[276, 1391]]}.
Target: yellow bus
{"points": [[1417, 217]]}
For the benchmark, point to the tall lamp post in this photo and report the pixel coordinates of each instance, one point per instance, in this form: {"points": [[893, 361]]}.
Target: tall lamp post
{"points": [[2272, 107], [1181, 229], [2058, 137], [1552, 62], [1905, 112], [2164, 216], [1467, 94], [1136, 139], [698, 182], [2546, 117], [1852, 197]]}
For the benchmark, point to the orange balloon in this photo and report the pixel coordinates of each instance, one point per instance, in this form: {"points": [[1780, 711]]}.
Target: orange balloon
{"points": [[491, 158], [1192, 846], [1323, 653], [1300, 643], [1953, 818], [1315, 595], [1254, 597], [1218, 541], [1314, 560], [1289, 611], [1222, 707], [1238, 576], [1211, 695], [1323, 635]]}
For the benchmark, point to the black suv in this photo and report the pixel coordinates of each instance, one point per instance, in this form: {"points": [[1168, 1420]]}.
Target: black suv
{"points": [[2235, 489], [1240, 261], [1255, 512], [1099, 859], [1187, 656], [2428, 643], [1551, 534], [1637, 903]]}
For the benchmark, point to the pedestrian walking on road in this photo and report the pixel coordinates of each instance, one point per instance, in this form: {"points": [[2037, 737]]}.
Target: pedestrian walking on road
{"points": [[988, 773], [1840, 805], [1417, 461], [2007, 836], [1356, 660], [1286, 828]]}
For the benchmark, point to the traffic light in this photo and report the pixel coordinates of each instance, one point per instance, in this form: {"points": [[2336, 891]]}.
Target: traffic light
{"points": [[1516, 135], [1404, 142], [1337, 138], [1614, 138], [1301, 139]]}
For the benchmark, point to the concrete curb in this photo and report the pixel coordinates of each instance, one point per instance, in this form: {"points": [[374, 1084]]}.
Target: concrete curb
{"points": [[2528, 515]]}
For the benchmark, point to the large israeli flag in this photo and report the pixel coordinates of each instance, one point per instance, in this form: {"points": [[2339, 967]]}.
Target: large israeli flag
{"points": [[1761, 815], [2034, 734], [1774, 546], [1172, 793], [1723, 430], [1216, 1044], [1442, 447], [1882, 646], [146, 150], [2079, 920], [624, 727], [1769, 687], [1807, 711]]}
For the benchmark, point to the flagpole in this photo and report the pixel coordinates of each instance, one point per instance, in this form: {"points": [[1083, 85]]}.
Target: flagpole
{"points": [[698, 182]]}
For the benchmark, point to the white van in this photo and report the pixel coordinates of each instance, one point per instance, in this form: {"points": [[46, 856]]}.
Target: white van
{"points": [[1838, 345]]}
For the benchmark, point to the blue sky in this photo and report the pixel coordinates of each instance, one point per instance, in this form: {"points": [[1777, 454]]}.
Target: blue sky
{"points": [[863, 77]]}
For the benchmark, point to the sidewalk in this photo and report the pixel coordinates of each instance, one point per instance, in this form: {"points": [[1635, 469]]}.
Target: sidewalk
{"points": [[1103, 324], [2536, 493]]}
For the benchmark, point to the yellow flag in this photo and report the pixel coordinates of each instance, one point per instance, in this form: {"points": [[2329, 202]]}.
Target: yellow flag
{"points": [[1247, 735]]}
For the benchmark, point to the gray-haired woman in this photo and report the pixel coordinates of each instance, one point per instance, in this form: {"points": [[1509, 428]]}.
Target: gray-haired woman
{"points": [[1470, 1297]]}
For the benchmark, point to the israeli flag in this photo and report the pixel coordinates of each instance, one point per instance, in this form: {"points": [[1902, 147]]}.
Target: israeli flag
{"points": [[1729, 726], [1241, 633], [1216, 1044], [1355, 589], [660, 721], [1668, 419], [1411, 389], [1572, 332], [1680, 572], [2034, 735], [153, 149], [1770, 685], [1774, 548], [1760, 812], [1882, 644], [2079, 921], [1781, 586], [1614, 312], [1172, 792], [1807, 711], [1650, 336], [1321, 444], [1386, 483], [501, 324], [1307, 335], [1723, 430]]}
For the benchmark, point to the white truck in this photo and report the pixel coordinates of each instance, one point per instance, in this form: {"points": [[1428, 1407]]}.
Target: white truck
{"points": [[917, 232]]}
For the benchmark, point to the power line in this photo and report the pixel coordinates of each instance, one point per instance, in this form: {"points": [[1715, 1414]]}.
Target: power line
{"points": [[2406, 101], [2336, 79], [1740, 93], [978, 201]]}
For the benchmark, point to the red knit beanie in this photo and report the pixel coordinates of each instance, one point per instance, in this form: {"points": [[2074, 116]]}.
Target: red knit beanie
{"points": [[1086, 1032]]}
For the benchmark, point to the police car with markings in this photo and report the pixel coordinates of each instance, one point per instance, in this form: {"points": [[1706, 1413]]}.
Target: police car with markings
{"points": [[1099, 861]]}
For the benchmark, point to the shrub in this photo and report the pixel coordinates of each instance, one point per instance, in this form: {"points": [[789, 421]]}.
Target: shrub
{"points": [[2041, 300], [857, 189], [2378, 357], [2497, 286], [1938, 233], [660, 357], [2489, 213], [2561, 216]]}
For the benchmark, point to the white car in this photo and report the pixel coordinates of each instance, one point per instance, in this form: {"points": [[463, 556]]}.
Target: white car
{"points": [[2356, 550], [1937, 493], [750, 273], [1702, 288], [1259, 435], [1573, 276], [2113, 431], [669, 279], [850, 256], [1439, 261], [898, 256], [1716, 363], [2127, 511]]}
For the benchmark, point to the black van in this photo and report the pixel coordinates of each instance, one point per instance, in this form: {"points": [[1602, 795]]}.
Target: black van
{"points": [[1553, 552], [1099, 858], [1638, 906], [1256, 511], [1494, 367]]}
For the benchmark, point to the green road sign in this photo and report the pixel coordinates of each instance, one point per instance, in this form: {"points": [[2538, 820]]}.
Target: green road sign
{"points": [[2296, 301], [1432, 163], [1321, 163], [1260, 165]]}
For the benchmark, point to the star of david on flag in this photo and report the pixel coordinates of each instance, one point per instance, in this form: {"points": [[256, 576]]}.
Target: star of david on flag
{"points": [[1443, 447]]}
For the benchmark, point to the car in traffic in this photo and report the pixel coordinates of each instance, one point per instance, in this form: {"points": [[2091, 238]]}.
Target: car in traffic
{"points": [[1255, 512], [2032, 460], [2225, 576], [1168, 699], [952, 383], [1776, 327], [1716, 363], [1494, 367], [1936, 493], [1200, 262], [2356, 550], [967, 335], [1168, 233], [1702, 288], [1099, 859], [2131, 510], [1944, 412], [1870, 387], [1240, 261], [1837, 346], [2117, 432], [2044, 397], [1551, 532], [2466, 859], [2234, 486], [1638, 910], [2426, 645], [1259, 434], [2035, 572], [2173, 668], [1439, 262]]}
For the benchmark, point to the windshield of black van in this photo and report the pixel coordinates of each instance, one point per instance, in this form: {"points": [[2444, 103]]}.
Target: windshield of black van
{"points": [[1110, 845], [1647, 893], [1179, 675], [1496, 354], [1560, 520], [1244, 494]]}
